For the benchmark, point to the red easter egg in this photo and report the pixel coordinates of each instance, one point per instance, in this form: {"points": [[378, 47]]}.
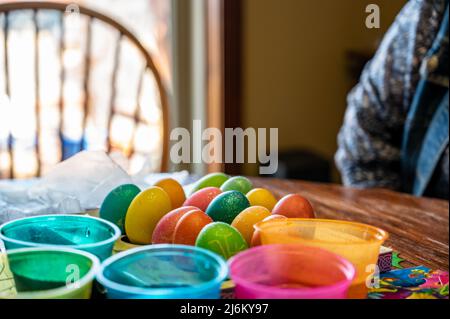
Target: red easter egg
{"points": [[294, 206], [163, 233], [202, 198], [189, 226], [256, 238]]}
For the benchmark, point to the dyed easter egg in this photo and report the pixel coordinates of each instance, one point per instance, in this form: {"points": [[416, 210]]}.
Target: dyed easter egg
{"points": [[174, 190], [226, 206], [163, 233], [203, 198], [294, 206], [262, 197], [115, 205], [238, 183], [210, 180], [144, 213], [189, 226], [245, 221], [256, 238], [222, 239]]}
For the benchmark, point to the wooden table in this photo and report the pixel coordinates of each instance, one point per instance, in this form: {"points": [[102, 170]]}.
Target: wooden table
{"points": [[418, 227]]}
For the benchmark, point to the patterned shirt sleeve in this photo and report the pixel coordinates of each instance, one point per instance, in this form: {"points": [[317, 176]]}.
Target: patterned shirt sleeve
{"points": [[370, 138]]}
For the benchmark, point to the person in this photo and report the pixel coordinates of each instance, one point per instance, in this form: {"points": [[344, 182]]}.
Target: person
{"points": [[395, 131]]}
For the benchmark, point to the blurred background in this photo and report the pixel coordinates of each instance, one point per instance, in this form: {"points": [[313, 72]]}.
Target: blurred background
{"points": [[300, 60], [68, 84]]}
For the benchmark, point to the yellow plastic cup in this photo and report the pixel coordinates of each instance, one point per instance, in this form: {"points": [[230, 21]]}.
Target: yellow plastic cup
{"points": [[358, 243]]}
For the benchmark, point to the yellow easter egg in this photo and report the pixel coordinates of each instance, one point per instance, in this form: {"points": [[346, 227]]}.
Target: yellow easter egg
{"points": [[174, 190], [144, 213], [245, 221], [261, 197]]}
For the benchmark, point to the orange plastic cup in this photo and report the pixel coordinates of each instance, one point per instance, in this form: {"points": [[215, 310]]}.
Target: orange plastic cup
{"points": [[358, 243]]}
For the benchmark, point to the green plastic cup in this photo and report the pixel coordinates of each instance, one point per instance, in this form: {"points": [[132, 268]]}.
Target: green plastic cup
{"points": [[51, 273], [82, 232]]}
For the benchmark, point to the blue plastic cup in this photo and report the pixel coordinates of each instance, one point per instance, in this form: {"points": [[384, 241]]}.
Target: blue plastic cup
{"points": [[163, 272], [94, 235]]}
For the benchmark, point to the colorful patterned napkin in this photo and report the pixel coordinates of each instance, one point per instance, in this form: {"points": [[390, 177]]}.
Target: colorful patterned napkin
{"points": [[412, 283]]}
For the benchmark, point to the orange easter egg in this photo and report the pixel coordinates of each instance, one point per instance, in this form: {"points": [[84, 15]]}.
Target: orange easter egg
{"points": [[163, 233], [189, 226], [174, 190], [294, 206]]}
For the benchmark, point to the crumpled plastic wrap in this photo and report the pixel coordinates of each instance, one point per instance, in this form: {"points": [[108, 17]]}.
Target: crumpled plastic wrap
{"points": [[76, 185], [86, 177]]}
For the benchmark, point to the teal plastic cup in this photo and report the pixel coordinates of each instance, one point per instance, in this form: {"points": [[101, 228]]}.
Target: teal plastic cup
{"points": [[51, 273], [90, 234], [163, 272]]}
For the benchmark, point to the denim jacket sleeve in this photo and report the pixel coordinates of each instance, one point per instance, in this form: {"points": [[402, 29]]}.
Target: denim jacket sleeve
{"points": [[370, 139]]}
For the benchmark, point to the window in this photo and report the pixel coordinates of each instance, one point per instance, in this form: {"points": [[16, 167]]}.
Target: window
{"points": [[148, 20]]}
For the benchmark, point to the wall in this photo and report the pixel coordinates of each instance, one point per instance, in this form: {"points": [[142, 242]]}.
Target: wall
{"points": [[294, 73]]}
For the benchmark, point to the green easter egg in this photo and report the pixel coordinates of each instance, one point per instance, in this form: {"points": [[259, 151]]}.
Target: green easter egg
{"points": [[222, 239], [115, 205], [238, 183], [210, 180], [226, 206]]}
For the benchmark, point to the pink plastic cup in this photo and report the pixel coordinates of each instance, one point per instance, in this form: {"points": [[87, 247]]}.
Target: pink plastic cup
{"points": [[290, 272]]}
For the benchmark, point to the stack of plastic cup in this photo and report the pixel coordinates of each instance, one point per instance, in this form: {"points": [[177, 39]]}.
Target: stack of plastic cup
{"points": [[163, 272], [358, 243], [290, 272]]}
